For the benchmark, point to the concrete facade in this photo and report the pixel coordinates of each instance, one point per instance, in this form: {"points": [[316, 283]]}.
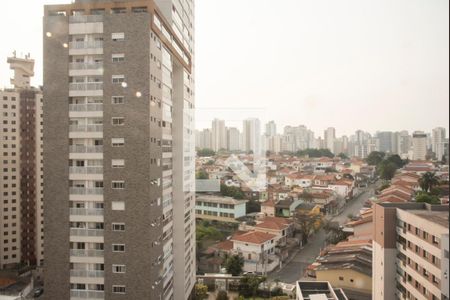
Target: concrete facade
{"points": [[119, 150], [409, 251]]}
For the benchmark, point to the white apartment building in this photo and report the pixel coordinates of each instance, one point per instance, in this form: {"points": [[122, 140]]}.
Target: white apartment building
{"points": [[419, 149], [251, 136], [218, 135], [330, 137], [439, 141], [21, 180], [233, 139]]}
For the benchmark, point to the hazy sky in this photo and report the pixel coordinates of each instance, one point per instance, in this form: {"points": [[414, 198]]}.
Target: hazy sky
{"points": [[368, 64]]}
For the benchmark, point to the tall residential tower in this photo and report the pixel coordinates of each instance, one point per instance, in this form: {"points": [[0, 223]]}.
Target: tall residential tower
{"points": [[119, 150], [21, 237]]}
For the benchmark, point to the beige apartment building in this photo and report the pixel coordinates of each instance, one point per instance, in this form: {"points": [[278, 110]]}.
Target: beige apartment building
{"points": [[119, 150], [410, 251], [21, 179]]}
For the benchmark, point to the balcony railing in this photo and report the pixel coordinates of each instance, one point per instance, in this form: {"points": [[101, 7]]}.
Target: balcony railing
{"points": [[86, 232], [86, 19], [86, 128], [85, 149], [86, 170], [86, 253], [86, 212], [87, 273], [86, 45], [87, 294], [86, 107], [86, 191], [86, 86], [86, 66]]}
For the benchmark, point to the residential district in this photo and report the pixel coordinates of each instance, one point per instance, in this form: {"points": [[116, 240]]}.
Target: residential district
{"points": [[104, 196]]}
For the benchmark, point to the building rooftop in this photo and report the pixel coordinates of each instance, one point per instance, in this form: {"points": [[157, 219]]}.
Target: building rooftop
{"points": [[219, 199], [318, 290], [437, 217], [254, 237]]}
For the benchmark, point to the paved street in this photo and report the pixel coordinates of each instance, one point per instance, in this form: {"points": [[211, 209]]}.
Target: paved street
{"points": [[294, 269]]}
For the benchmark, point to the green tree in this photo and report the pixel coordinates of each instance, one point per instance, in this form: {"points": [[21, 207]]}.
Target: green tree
{"points": [[234, 265], [423, 197], [305, 222], [335, 233], [231, 191], [201, 291], [387, 170], [249, 285], [222, 295], [375, 158], [205, 153], [428, 181], [343, 156], [397, 160], [315, 153], [202, 175], [253, 206]]}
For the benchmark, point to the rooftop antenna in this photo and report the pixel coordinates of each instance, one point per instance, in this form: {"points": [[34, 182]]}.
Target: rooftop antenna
{"points": [[15, 53]]}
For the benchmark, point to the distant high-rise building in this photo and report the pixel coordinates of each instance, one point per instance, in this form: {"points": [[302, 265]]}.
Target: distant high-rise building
{"points": [[274, 143], [388, 142], [298, 138], [410, 251], [439, 136], [218, 135], [271, 129], [119, 150], [404, 143], [330, 137], [21, 180], [233, 139], [419, 141], [203, 139], [252, 136]]}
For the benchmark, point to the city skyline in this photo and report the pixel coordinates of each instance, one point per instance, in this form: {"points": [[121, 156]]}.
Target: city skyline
{"points": [[334, 70], [319, 133]]}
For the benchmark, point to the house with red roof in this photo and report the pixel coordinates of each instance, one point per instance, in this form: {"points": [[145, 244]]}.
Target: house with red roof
{"points": [[258, 250]]}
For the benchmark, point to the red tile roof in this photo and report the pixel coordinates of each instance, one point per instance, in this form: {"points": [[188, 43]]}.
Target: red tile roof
{"points": [[254, 237]]}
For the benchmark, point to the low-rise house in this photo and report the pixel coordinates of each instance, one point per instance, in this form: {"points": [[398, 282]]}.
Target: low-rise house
{"points": [[348, 265], [323, 180], [280, 227], [258, 250], [301, 180], [327, 199], [217, 208], [286, 208], [343, 188], [268, 208]]}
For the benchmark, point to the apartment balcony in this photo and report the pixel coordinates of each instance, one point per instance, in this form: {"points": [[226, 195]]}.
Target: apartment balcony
{"points": [[85, 68], [86, 232], [87, 273], [86, 45], [86, 253], [86, 128], [85, 191], [86, 170], [86, 86], [86, 212], [85, 107], [83, 294], [86, 19], [85, 149]]}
